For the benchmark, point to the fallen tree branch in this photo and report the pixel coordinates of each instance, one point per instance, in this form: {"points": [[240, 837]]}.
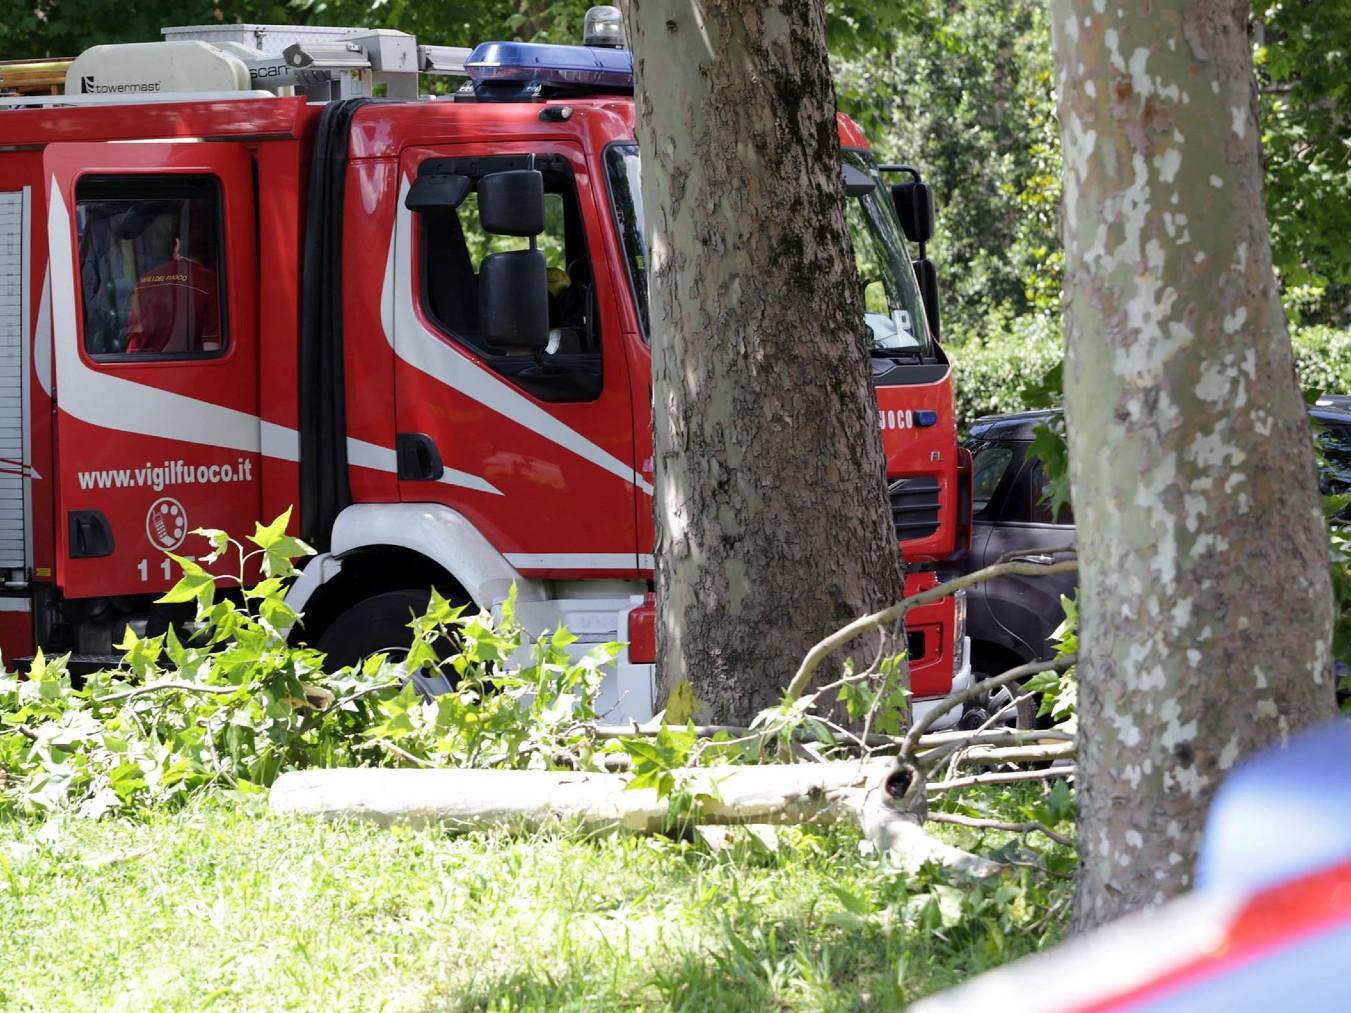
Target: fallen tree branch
{"points": [[994, 737], [636, 730], [23, 730], [893, 613], [155, 687], [977, 689], [989, 756], [931, 740], [1002, 777], [404, 754], [354, 697], [528, 799], [1031, 826], [1057, 550], [900, 837], [751, 794]]}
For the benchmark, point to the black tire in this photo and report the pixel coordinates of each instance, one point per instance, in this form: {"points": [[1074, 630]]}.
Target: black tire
{"points": [[378, 623], [1023, 717]]}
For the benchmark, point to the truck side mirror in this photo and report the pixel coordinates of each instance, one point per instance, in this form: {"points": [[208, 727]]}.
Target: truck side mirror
{"points": [[915, 208], [437, 191], [514, 299], [927, 276], [512, 203]]}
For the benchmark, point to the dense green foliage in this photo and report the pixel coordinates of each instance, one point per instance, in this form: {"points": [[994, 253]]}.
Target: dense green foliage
{"points": [[967, 96], [236, 704], [67, 27], [1001, 374], [1304, 68]]}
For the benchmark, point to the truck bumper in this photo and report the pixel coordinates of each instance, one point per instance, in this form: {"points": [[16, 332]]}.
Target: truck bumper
{"points": [[961, 680]]}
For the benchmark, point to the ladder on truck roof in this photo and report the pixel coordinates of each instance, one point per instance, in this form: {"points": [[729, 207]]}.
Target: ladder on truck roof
{"points": [[33, 77], [238, 61]]}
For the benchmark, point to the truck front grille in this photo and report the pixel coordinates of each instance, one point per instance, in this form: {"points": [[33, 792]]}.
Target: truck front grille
{"points": [[914, 506]]}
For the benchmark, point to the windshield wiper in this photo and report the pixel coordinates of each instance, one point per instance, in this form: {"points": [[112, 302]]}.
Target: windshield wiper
{"points": [[896, 353]]}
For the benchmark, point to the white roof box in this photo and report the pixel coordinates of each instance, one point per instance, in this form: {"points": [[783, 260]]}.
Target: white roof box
{"points": [[146, 69], [270, 40]]}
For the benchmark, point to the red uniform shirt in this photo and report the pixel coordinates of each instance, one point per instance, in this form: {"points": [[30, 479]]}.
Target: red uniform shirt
{"points": [[175, 308]]}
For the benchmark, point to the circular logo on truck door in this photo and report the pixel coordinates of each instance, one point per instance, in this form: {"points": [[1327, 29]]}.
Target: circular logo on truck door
{"points": [[166, 524]]}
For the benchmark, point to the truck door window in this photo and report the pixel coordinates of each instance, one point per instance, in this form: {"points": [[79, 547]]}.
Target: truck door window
{"points": [[454, 245], [151, 271]]}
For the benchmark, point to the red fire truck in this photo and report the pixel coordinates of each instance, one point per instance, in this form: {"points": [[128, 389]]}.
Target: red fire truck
{"points": [[247, 267]]}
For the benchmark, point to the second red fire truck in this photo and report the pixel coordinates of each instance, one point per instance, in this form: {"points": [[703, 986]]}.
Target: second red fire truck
{"points": [[232, 279]]}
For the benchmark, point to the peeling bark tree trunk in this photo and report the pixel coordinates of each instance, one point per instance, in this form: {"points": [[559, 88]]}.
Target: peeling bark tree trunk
{"points": [[1206, 612], [770, 506]]}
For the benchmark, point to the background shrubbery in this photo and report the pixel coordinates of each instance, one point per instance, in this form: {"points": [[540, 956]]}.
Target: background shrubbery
{"points": [[967, 93], [991, 375]]}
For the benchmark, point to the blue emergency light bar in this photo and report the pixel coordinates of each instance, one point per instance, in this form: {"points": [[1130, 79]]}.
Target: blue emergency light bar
{"points": [[589, 68]]}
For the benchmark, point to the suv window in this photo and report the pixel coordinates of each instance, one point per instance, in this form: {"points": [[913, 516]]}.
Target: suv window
{"points": [[151, 271], [1041, 501], [990, 462], [453, 247], [1335, 442]]}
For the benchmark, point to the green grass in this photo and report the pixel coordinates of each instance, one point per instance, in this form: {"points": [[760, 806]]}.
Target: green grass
{"points": [[223, 906]]}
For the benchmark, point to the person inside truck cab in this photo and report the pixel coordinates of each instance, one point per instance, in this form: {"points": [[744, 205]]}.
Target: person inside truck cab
{"points": [[175, 307]]}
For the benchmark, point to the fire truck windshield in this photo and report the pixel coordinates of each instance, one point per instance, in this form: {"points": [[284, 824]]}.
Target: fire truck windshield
{"points": [[890, 295], [891, 301]]}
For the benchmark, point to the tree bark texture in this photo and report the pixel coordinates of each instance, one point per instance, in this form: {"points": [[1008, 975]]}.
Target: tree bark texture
{"points": [[1205, 604], [771, 515]]}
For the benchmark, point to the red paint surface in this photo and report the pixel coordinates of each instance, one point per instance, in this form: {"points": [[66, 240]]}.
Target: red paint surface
{"points": [[1269, 922], [643, 632]]}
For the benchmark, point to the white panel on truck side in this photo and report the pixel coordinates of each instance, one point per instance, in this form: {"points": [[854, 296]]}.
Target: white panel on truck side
{"points": [[13, 385]]}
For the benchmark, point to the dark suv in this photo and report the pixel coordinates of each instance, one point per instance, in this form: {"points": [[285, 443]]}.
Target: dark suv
{"points": [[1010, 619]]}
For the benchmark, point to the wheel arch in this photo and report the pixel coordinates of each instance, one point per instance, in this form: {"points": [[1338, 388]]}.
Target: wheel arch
{"points": [[381, 547], [990, 658]]}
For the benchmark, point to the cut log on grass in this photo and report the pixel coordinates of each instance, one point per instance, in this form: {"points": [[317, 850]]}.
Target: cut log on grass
{"points": [[528, 800], [474, 799]]}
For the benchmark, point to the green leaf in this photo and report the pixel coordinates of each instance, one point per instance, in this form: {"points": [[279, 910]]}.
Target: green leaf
{"points": [[853, 903], [1049, 445], [195, 584], [1060, 801], [279, 548], [218, 539]]}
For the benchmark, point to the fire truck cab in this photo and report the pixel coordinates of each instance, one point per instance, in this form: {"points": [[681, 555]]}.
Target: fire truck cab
{"points": [[248, 267]]}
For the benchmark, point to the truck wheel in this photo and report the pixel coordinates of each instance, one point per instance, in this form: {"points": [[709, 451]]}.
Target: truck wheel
{"points": [[375, 624], [978, 711]]}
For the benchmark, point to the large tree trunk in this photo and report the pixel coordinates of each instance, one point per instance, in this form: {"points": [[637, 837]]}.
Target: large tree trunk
{"points": [[1206, 612], [771, 514]]}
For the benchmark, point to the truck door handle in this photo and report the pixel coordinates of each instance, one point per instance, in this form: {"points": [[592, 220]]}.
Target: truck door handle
{"points": [[91, 536], [1042, 560], [419, 460]]}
